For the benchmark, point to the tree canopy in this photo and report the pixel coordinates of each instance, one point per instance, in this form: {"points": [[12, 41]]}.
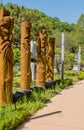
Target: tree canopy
{"points": [[74, 33]]}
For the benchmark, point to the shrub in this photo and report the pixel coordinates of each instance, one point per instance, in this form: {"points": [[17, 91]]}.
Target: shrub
{"points": [[65, 83], [81, 76]]}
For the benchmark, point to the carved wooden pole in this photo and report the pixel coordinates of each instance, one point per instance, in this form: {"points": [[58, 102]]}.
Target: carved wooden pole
{"points": [[41, 58], [6, 57], [25, 55], [50, 59]]}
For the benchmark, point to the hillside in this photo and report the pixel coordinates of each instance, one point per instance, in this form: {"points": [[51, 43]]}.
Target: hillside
{"points": [[38, 19], [74, 33]]}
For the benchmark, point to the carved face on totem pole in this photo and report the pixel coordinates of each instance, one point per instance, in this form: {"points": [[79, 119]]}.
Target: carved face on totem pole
{"points": [[26, 30], [43, 40], [6, 58], [51, 47], [41, 59], [43, 35], [6, 25]]}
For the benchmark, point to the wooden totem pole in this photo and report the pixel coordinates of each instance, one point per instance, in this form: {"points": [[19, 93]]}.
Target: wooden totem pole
{"points": [[41, 58], [6, 57], [25, 55], [50, 60]]}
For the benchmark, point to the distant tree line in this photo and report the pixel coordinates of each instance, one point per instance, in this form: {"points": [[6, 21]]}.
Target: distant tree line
{"points": [[74, 33]]}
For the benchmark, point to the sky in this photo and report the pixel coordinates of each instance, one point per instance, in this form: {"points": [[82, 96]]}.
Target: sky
{"points": [[66, 10]]}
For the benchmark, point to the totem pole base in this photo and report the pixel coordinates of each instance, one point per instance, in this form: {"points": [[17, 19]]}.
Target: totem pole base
{"points": [[50, 84], [38, 88], [18, 95]]}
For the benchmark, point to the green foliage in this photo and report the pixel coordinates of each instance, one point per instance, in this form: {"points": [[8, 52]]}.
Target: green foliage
{"points": [[10, 117], [1, 6], [66, 82], [38, 19], [16, 79], [74, 33], [69, 59], [70, 73], [16, 52], [80, 21], [81, 76]]}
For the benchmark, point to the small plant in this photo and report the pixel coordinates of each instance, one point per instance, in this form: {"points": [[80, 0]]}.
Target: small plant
{"points": [[66, 82], [81, 76]]}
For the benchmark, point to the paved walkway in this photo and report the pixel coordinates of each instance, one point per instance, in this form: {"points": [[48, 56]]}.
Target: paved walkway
{"points": [[64, 112]]}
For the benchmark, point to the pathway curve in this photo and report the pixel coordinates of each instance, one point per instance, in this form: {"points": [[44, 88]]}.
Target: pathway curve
{"points": [[65, 111]]}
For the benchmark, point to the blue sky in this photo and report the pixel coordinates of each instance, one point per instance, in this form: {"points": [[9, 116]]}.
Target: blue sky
{"points": [[66, 10]]}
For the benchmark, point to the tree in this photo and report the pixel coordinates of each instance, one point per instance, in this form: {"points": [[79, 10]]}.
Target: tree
{"points": [[16, 52], [80, 21]]}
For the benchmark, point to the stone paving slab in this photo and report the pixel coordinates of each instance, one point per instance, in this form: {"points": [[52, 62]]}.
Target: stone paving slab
{"points": [[65, 111]]}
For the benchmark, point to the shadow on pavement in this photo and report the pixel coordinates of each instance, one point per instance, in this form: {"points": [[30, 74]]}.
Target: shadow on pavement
{"points": [[48, 114]]}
